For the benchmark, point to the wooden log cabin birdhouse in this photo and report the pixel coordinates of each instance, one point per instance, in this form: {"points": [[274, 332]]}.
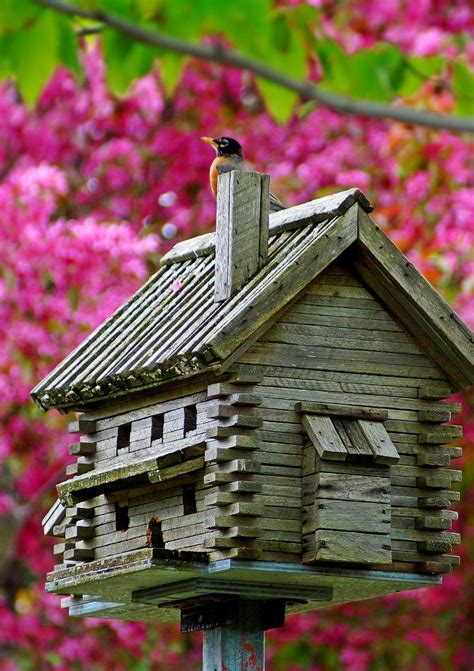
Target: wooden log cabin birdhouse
{"points": [[266, 418]]}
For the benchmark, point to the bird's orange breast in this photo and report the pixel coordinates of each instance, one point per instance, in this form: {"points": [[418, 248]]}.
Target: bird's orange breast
{"points": [[213, 172]]}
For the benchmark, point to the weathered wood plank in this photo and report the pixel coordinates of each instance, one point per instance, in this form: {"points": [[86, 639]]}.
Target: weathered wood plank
{"points": [[341, 301], [358, 444], [281, 471], [278, 407], [416, 322], [313, 361], [316, 210], [341, 410], [424, 559], [289, 334], [350, 322], [200, 245], [295, 351], [443, 434], [248, 376], [241, 230], [84, 447], [160, 474], [353, 488], [368, 470], [433, 459], [435, 546], [345, 515], [436, 415], [415, 303], [380, 442], [435, 392], [338, 291], [438, 501], [82, 466], [283, 376], [82, 424], [420, 535], [324, 437], [436, 522], [346, 546], [439, 479]]}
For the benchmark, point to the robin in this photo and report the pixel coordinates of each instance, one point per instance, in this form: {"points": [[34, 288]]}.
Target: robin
{"points": [[230, 156]]}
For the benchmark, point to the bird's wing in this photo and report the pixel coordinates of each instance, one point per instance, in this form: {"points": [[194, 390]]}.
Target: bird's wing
{"points": [[229, 164]]}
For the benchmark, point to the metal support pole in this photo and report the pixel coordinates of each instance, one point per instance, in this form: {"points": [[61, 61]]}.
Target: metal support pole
{"points": [[239, 646]]}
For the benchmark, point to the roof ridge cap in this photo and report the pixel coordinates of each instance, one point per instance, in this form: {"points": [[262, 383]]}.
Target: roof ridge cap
{"points": [[310, 212]]}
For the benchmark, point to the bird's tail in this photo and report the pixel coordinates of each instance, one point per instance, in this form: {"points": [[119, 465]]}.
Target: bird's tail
{"points": [[275, 203]]}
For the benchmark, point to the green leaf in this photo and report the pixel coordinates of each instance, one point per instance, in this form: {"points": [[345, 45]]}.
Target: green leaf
{"points": [[125, 60], [333, 62], [378, 71], [243, 22], [285, 53], [68, 46], [5, 59], [246, 23], [374, 73], [463, 89], [33, 55], [118, 7], [170, 69], [279, 101], [182, 19], [417, 69], [15, 15], [148, 9], [281, 34]]}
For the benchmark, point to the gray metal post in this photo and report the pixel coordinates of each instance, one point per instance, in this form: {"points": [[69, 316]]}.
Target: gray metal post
{"points": [[236, 647]]}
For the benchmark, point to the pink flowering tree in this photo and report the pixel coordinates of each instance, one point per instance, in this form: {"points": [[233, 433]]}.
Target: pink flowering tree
{"points": [[92, 191]]}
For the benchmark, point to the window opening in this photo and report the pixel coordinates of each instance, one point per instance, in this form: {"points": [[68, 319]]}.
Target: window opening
{"points": [[189, 499], [123, 436], [157, 426], [122, 519], [190, 419]]}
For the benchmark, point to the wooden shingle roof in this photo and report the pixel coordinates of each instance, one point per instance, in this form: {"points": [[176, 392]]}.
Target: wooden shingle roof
{"points": [[172, 327]]}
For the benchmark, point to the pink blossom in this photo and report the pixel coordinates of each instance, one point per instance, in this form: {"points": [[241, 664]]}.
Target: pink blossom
{"points": [[80, 175], [428, 42]]}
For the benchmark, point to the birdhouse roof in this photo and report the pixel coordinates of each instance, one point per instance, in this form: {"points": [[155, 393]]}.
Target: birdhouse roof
{"points": [[173, 328]]}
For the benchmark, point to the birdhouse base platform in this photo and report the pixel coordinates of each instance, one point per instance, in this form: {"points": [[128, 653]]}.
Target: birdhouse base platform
{"points": [[140, 586]]}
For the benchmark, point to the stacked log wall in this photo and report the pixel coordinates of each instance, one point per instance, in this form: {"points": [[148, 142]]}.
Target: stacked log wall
{"points": [[339, 344]]}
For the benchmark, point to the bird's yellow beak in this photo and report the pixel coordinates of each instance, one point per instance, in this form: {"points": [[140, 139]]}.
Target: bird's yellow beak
{"points": [[210, 141]]}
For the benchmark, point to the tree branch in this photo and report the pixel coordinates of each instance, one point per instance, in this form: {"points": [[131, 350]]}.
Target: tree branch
{"points": [[306, 90]]}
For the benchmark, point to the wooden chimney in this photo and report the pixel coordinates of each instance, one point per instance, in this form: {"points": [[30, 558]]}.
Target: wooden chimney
{"points": [[243, 207]]}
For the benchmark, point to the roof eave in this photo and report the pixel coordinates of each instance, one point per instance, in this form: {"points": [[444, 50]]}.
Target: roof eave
{"points": [[415, 303], [83, 394]]}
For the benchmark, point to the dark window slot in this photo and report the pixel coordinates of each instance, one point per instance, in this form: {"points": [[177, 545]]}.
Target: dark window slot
{"points": [[189, 499], [157, 426], [154, 534], [190, 419], [123, 436], [122, 519]]}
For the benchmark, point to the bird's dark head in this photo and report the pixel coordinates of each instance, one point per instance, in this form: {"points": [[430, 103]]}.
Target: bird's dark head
{"points": [[224, 146]]}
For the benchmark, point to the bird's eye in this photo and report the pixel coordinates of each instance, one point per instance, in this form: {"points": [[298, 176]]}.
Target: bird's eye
{"points": [[224, 142]]}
